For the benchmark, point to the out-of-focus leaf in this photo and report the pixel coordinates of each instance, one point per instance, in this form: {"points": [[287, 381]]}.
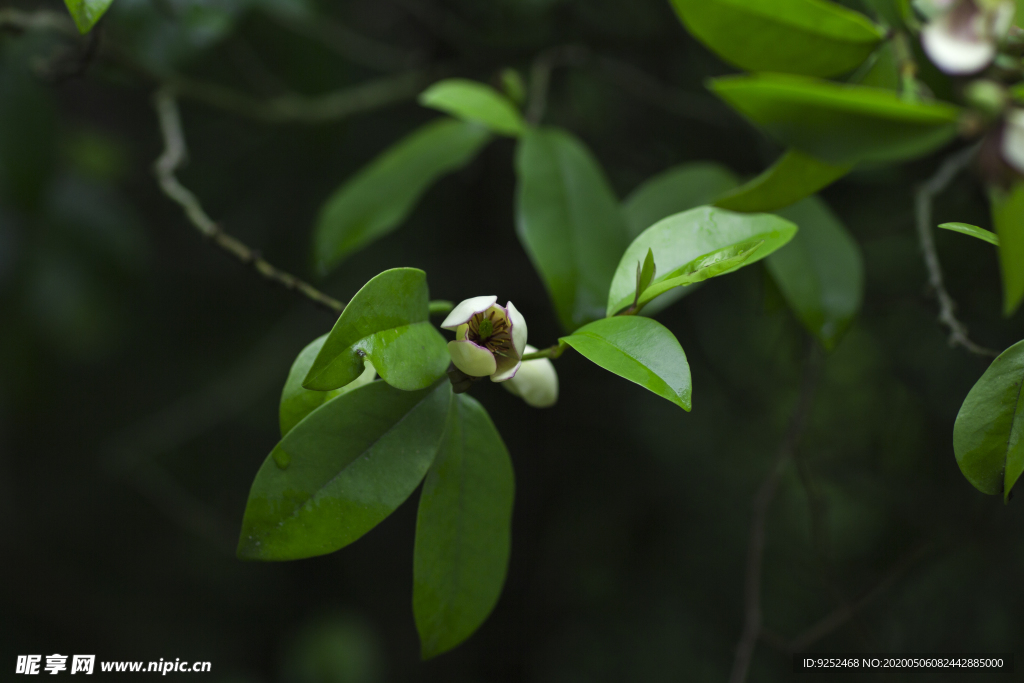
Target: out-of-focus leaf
{"points": [[296, 401], [840, 124], [988, 437], [28, 130], [820, 272], [164, 36], [386, 323], [463, 530], [342, 470], [792, 177], [893, 12], [696, 245], [1008, 216], [379, 197], [973, 231], [678, 189], [569, 221], [474, 102], [810, 37], [337, 648], [882, 70], [87, 12], [640, 349]]}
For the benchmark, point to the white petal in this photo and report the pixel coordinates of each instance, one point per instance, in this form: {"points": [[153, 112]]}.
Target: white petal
{"points": [[536, 382], [953, 53], [506, 368], [466, 310], [460, 331], [519, 330], [472, 359], [1013, 140]]}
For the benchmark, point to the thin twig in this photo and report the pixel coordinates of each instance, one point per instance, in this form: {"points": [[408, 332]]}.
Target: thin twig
{"points": [[349, 44], [926, 193], [173, 156], [540, 76], [846, 612], [762, 501], [18, 21], [354, 99]]}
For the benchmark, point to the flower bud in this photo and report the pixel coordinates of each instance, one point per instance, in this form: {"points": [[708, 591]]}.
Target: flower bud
{"points": [[536, 382], [489, 339]]}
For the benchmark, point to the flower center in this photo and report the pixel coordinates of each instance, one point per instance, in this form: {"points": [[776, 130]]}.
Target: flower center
{"points": [[490, 329]]}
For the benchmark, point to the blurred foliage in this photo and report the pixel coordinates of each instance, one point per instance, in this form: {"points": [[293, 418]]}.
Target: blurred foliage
{"points": [[142, 370]]}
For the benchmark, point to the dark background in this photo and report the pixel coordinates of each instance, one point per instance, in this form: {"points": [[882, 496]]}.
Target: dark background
{"points": [[141, 369]]}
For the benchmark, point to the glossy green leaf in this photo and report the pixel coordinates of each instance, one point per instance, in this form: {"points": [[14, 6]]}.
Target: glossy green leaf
{"points": [[474, 102], [678, 189], [840, 124], [792, 177], [378, 198], [696, 245], [342, 470], [463, 530], [988, 437], [87, 12], [973, 231], [640, 349], [820, 272], [1008, 217], [569, 222], [298, 402], [386, 323], [810, 37]]}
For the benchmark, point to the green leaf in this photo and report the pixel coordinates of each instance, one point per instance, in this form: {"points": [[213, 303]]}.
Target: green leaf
{"points": [[378, 198], [342, 470], [463, 530], [820, 272], [474, 102], [810, 37], [569, 222], [1008, 216], [645, 273], [678, 189], [840, 124], [792, 177], [696, 245], [387, 324], [640, 349], [973, 231], [296, 401], [87, 12], [895, 13], [988, 437]]}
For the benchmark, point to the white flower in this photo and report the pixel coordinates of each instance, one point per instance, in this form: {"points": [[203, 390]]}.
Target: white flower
{"points": [[536, 382], [962, 36], [489, 340]]}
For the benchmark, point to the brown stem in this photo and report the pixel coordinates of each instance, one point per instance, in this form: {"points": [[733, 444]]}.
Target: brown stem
{"points": [[926, 193], [173, 156], [762, 501]]}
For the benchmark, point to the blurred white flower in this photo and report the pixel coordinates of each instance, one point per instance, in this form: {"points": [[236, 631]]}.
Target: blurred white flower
{"points": [[489, 339], [1012, 144], [963, 36]]}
